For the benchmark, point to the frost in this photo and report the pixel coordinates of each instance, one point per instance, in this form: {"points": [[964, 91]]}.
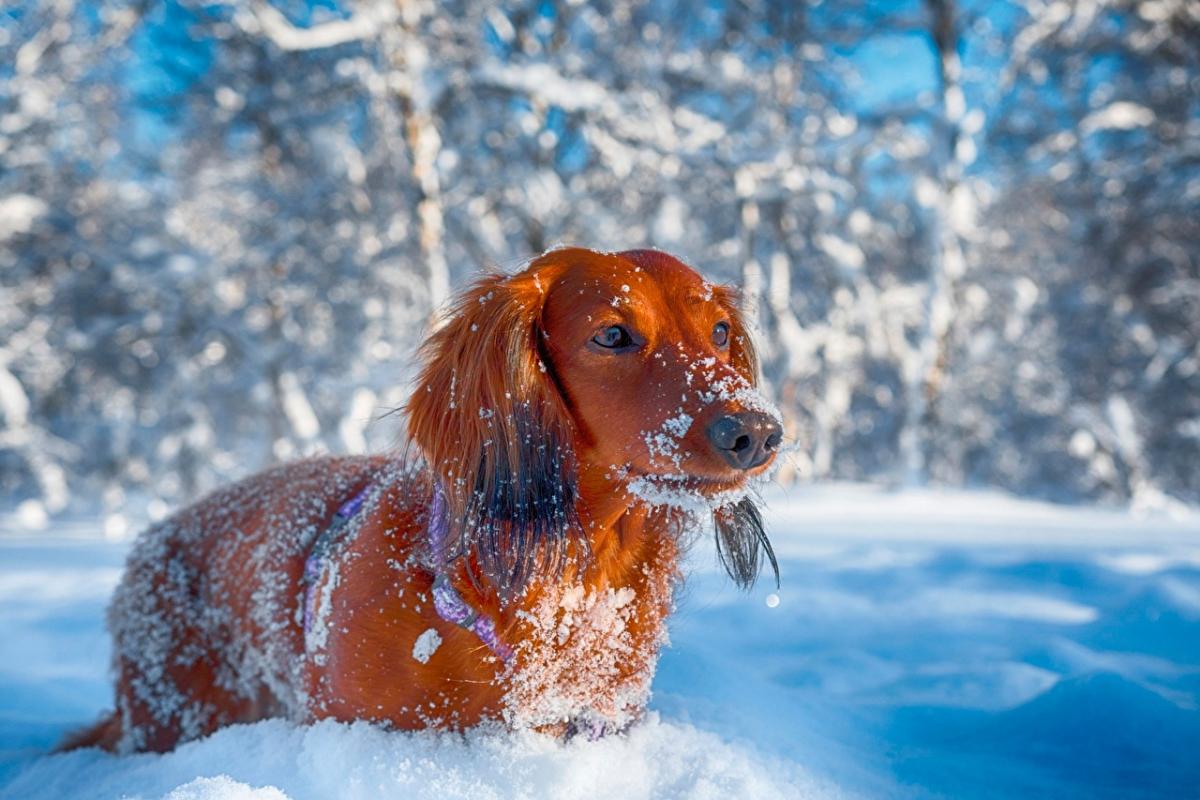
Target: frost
{"points": [[669, 224], [366, 23], [31, 515], [352, 428], [14, 403], [547, 84]]}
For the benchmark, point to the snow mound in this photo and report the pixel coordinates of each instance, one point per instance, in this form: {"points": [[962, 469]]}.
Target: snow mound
{"points": [[273, 759], [924, 644], [223, 787]]}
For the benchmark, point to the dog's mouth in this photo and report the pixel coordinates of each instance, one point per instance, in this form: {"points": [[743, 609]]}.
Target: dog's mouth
{"points": [[697, 483], [687, 491]]}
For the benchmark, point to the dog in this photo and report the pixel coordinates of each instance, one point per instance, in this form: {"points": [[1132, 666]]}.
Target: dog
{"points": [[574, 423]]}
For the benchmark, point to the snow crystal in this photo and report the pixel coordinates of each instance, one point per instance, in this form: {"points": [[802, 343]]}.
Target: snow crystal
{"points": [[735, 388], [678, 425], [426, 645]]}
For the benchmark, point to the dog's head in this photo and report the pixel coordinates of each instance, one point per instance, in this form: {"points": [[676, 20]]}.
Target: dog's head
{"points": [[628, 365]]}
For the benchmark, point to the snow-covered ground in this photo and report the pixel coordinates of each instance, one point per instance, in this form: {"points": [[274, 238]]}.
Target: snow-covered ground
{"points": [[923, 644]]}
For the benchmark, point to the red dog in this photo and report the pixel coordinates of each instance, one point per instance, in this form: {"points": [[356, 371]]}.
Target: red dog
{"points": [[572, 420]]}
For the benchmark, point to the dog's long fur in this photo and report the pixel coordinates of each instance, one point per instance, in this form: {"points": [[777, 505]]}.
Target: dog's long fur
{"points": [[569, 474]]}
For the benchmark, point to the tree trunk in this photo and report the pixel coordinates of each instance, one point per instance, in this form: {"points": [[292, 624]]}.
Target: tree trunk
{"points": [[925, 373]]}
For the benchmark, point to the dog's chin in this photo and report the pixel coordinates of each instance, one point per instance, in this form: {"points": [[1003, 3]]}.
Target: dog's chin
{"points": [[741, 539]]}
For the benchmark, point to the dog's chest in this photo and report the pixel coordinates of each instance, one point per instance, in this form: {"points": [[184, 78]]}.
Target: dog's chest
{"points": [[587, 658]]}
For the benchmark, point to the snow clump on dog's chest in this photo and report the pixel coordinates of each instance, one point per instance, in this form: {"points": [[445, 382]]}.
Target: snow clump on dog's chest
{"points": [[426, 645], [581, 663]]}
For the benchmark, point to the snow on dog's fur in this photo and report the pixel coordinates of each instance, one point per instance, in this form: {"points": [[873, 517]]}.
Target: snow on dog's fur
{"points": [[573, 421]]}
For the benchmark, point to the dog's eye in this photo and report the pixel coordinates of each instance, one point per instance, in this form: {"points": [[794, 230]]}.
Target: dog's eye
{"points": [[721, 334], [613, 337]]}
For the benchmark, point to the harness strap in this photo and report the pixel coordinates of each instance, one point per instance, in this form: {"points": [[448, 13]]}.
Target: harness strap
{"points": [[322, 548], [448, 603], [446, 599]]}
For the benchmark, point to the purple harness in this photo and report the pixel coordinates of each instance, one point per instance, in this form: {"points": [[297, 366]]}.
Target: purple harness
{"points": [[446, 600]]}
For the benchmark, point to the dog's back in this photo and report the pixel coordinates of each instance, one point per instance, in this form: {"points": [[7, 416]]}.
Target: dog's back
{"points": [[205, 622]]}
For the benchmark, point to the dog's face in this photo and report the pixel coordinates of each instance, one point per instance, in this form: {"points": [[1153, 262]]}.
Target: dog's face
{"points": [[658, 375], [627, 364]]}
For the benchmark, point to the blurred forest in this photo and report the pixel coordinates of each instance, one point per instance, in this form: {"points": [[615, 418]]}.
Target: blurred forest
{"points": [[968, 232]]}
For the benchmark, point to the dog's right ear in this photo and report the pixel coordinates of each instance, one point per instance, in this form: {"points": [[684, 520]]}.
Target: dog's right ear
{"points": [[488, 419]]}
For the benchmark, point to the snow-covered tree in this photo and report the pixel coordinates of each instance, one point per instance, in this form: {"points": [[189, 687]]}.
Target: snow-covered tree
{"points": [[967, 232]]}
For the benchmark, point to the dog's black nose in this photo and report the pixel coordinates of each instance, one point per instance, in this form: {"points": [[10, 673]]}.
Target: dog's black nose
{"points": [[747, 439]]}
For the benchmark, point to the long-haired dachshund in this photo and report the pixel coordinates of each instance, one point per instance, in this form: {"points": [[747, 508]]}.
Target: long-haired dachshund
{"points": [[574, 422]]}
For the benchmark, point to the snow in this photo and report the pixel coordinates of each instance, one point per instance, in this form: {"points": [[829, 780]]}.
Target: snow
{"points": [[426, 645], [548, 85], [848, 255], [580, 661], [297, 408], [955, 644], [19, 213], [366, 23], [1121, 115], [14, 403], [333, 760]]}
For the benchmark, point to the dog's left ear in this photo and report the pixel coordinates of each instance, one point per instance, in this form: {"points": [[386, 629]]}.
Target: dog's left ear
{"points": [[489, 420]]}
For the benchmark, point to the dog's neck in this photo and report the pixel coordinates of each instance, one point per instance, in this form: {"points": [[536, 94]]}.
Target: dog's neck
{"points": [[618, 534], [617, 526], [603, 499]]}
